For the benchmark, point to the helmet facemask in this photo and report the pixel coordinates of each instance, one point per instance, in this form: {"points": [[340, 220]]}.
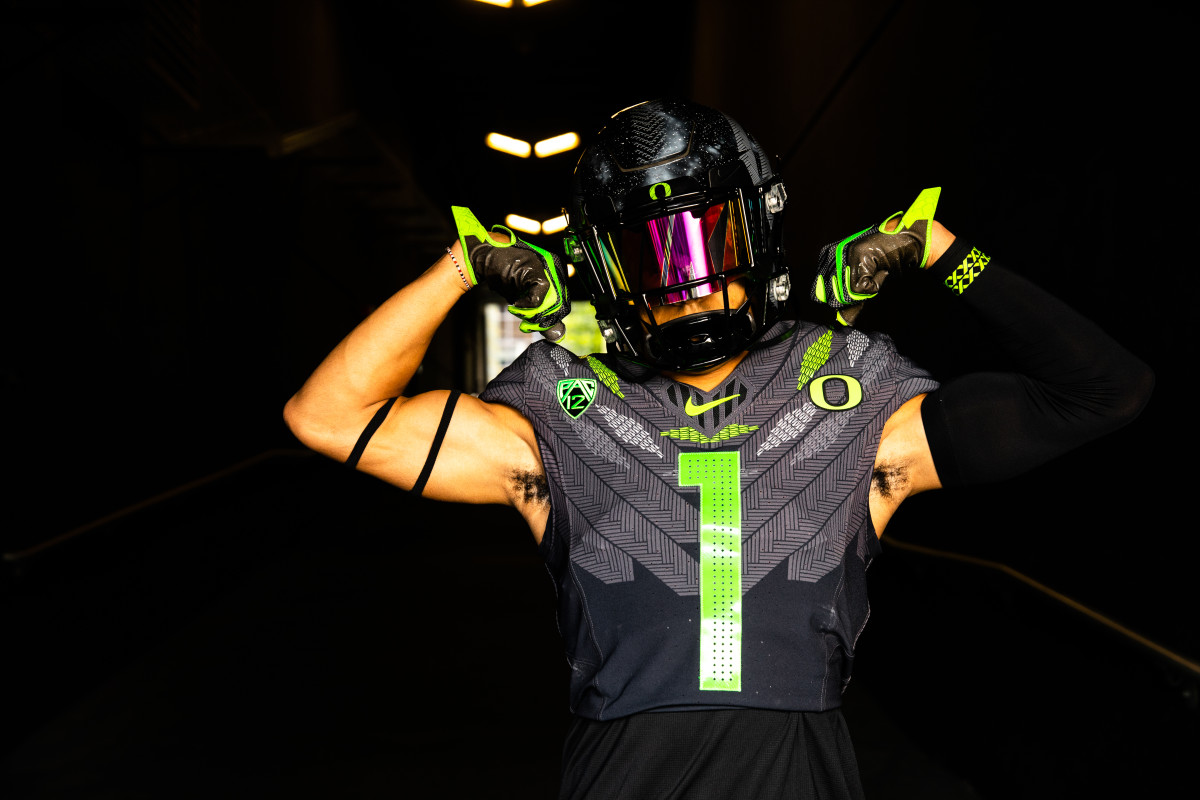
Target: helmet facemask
{"points": [[678, 257], [672, 204]]}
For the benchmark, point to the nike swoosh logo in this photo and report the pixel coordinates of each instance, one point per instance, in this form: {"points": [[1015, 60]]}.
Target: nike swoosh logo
{"points": [[692, 409]]}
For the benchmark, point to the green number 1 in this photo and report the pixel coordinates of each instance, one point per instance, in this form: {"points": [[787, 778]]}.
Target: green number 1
{"points": [[719, 477]]}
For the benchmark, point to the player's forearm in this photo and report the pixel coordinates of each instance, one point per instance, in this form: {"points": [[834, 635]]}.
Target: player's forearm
{"points": [[939, 239], [1072, 382], [379, 357]]}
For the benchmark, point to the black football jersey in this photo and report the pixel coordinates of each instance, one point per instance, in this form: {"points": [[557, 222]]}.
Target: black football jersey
{"points": [[710, 549]]}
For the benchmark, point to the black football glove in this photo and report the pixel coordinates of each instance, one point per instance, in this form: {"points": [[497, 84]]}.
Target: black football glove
{"points": [[852, 271], [529, 278]]}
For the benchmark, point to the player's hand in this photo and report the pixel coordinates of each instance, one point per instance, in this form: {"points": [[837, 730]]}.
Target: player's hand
{"points": [[531, 279], [852, 271]]}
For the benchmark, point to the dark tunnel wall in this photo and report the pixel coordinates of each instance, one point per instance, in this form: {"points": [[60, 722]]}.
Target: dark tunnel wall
{"points": [[1057, 142], [200, 214], [204, 202]]}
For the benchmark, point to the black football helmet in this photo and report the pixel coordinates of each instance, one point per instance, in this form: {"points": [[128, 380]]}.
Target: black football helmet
{"points": [[673, 201]]}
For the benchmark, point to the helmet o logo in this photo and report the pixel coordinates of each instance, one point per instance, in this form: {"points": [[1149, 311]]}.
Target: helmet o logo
{"points": [[854, 392], [666, 190]]}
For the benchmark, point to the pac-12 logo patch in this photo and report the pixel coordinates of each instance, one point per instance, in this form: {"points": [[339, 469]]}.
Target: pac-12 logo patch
{"points": [[575, 395]]}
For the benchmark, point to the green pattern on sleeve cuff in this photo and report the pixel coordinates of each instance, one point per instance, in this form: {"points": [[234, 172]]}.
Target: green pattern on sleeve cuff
{"points": [[965, 273]]}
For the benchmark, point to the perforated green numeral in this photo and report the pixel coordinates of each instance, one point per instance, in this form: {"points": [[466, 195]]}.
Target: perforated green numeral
{"points": [[719, 477]]}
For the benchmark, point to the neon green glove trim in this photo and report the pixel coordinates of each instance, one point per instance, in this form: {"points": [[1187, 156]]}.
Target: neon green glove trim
{"points": [[841, 284], [922, 208], [553, 297], [467, 225]]}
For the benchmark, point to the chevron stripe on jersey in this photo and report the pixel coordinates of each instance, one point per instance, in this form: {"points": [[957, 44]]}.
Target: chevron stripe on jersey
{"points": [[622, 543]]}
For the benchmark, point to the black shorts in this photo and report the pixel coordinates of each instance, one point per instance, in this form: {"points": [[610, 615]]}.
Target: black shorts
{"points": [[726, 754]]}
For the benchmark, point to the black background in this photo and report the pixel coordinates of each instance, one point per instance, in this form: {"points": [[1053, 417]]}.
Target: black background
{"points": [[203, 197]]}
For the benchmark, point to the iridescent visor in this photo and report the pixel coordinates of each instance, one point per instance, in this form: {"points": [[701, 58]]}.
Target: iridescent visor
{"points": [[679, 250]]}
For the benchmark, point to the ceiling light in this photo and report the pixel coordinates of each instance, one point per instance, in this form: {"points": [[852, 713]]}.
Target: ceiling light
{"points": [[523, 224], [503, 3], [556, 144], [555, 225], [535, 2], [507, 144]]}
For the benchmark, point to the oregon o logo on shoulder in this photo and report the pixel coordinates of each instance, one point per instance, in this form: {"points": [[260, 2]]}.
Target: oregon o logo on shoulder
{"points": [[666, 190], [575, 395], [854, 392]]}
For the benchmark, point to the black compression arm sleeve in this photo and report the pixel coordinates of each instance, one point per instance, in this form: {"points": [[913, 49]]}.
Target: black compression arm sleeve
{"points": [[1074, 382]]}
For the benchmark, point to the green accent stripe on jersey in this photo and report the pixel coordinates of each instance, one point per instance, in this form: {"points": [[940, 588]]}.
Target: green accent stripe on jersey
{"points": [[814, 358], [689, 434], [606, 376]]}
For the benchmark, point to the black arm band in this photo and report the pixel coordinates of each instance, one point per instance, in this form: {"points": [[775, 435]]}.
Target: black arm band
{"points": [[368, 432], [1070, 383], [447, 412]]}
